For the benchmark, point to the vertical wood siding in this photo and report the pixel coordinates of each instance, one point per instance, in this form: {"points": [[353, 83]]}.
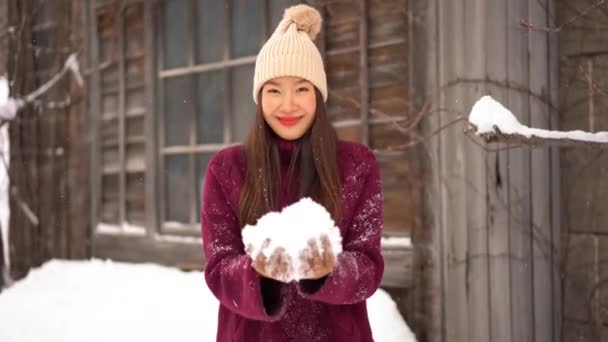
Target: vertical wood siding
{"points": [[492, 273], [48, 161]]}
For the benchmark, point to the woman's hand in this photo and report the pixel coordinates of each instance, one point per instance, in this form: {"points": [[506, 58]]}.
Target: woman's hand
{"points": [[317, 261], [278, 266]]}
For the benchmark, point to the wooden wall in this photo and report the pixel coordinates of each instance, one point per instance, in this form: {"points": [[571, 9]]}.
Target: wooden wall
{"points": [[584, 105], [49, 167], [366, 45], [487, 260], [103, 141], [4, 34]]}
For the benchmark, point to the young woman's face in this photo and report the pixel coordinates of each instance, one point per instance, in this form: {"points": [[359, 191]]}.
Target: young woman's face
{"points": [[289, 105]]}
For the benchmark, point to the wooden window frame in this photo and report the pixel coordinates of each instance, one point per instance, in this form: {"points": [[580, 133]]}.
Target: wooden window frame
{"points": [[155, 75], [364, 122], [226, 65], [92, 10], [187, 249]]}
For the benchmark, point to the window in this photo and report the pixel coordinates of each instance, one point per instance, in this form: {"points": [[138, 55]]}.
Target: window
{"points": [[206, 56], [173, 86], [118, 116], [367, 62]]}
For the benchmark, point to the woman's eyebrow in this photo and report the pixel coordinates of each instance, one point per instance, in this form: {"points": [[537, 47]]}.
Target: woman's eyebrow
{"points": [[273, 83]]}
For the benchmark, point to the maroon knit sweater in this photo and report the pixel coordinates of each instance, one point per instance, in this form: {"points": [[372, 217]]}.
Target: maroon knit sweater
{"points": [[253, 308]]}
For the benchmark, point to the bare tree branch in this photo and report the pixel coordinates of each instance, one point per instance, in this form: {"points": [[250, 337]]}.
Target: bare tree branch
{"points": [[506, 84], [8, 111], [528, 25], [15, 194], [534, 141], [422, 139]]}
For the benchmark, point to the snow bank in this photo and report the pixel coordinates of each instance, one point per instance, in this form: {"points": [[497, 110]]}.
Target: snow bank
{"points": [[95, 301]]}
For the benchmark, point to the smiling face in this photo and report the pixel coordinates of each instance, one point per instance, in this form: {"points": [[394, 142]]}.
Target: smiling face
{"points": [[288, 105]]}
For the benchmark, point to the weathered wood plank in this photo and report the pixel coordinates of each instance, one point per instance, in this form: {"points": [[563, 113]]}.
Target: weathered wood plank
{"points": [[556, 193], [364, 71], [427, 318], [542, 248], [4, 44], [497, 170], [519, 182], [121, 133], [95, 112], [453, 176], [398, 267], [476, 21], [189, 255]]}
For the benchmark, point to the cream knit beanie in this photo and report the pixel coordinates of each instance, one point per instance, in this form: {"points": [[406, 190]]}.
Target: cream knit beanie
{"points": [[290, 51]]}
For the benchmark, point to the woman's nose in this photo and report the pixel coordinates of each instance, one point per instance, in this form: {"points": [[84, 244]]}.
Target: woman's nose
{"points": [[288, 104]]}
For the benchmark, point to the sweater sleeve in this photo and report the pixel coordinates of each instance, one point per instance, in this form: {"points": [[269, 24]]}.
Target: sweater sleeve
{"points": [[228, 270], [360, 266]]}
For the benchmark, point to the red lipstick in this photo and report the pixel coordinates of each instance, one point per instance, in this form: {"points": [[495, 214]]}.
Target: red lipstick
{"points": [[289, 121]]}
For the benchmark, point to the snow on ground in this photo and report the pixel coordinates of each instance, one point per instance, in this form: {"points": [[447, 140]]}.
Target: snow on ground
{"points": [[74, 301], [488, 113]]}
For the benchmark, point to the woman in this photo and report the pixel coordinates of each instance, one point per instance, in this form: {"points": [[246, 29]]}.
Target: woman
{"points": [[292, 152]]}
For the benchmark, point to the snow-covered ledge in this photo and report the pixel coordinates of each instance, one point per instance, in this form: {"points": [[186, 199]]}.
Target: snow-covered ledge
{"points": [[491, 121]]}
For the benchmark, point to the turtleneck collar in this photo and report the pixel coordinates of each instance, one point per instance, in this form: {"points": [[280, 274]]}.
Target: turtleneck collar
{"points": [[285, 148]]}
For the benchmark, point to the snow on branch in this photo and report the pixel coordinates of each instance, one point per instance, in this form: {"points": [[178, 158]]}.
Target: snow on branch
{"points": [[491, 121], [10, 106]]}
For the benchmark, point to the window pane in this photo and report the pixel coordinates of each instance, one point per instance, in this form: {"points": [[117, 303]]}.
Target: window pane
{"points": [[109, 199], [178, 110], [175, 33], [136, 199], [246, 24], [177, 189], [243, 107], [202, 160], [210, 105], [210, 26]]}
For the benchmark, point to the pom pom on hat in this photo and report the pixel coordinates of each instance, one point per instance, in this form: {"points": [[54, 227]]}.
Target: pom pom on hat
{"points": [[291, 51], [306, 18]]}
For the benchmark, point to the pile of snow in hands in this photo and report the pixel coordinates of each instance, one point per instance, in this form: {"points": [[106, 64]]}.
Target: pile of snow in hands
{"points": [[291, 229]]}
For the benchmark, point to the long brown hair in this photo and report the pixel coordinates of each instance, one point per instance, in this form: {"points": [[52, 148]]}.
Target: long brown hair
{"points": [[315, 155]]}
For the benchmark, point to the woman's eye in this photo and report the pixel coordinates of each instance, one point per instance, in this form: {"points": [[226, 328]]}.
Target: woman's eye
{"points": [[272, 91], [302, 89]]}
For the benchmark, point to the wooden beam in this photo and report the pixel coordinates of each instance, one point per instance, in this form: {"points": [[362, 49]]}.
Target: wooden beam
{"points": [[151, 190], [224, 64], [194, 149], [189, 255], [122, 176], [94, 128], [364, 72], [208, 67], [160, 121]]}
